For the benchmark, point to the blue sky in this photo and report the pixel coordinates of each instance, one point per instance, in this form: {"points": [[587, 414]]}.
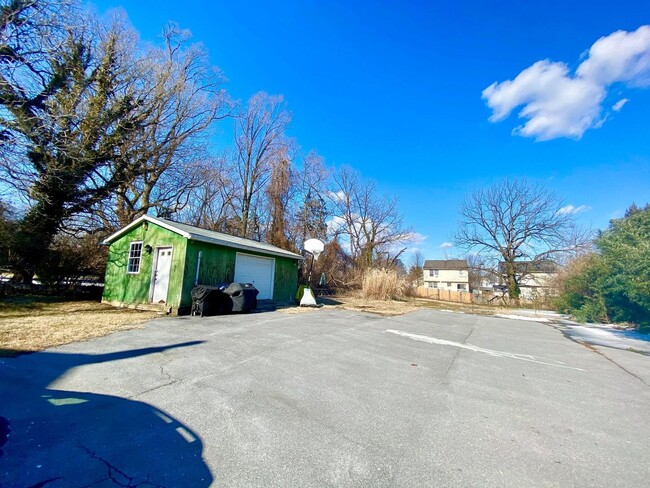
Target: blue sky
{"points": [[396, 90]]}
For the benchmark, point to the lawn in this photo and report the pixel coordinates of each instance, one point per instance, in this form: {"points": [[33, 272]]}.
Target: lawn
{"points": [[35, 323]]}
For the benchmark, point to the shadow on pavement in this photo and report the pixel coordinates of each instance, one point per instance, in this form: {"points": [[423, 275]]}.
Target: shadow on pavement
{"points": [[52, 438]]}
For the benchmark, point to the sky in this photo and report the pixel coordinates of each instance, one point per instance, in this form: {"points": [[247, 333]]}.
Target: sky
{"points": [[433, 100]]}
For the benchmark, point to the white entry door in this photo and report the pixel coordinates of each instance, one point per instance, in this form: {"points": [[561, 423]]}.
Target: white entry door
{"points": [[161, 274], [258, 271]]}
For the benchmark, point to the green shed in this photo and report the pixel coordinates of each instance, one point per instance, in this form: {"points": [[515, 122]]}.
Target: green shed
{"points": [[157, 262]]}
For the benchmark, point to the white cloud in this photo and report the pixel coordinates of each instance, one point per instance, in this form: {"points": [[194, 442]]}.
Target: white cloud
{"points": [[446, 245], [619, 105], [557, 103], [415, 238], [336, 196], [572, 210], [621, 56], [335, 224]]}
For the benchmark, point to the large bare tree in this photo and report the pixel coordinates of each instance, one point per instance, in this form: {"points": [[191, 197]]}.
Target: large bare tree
{"points": [[370, 222], [278, 193], [211, 204], [182, 98], [308, 210], [515, 220], [260, 140]]}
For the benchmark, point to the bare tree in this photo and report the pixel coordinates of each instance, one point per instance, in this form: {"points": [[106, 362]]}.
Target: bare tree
{"points": [[416, 267], [308, 207], [371, 223], [259, 138], [211, 204], [278, 194], [515, 220], [481, 270], [182, 98]]}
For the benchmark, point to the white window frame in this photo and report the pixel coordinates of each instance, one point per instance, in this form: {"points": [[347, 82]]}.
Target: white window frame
{"points": [[134, 259], [433, 273]]}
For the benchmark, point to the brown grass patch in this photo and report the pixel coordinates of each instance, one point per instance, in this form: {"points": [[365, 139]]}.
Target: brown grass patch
{"points": [[383, 285], [388, 308], [356, 301], [28, 324]]}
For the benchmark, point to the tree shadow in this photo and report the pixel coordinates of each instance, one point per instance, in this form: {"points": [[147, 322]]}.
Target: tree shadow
{"points": [[326, 300], [55, 438]]}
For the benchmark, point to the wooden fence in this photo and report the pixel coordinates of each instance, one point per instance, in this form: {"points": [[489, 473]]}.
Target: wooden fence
{"points": [[498, 299], [444, 295]]}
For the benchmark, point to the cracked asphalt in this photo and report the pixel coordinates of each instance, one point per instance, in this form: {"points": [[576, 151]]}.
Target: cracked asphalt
{"points": [[327, 398]]}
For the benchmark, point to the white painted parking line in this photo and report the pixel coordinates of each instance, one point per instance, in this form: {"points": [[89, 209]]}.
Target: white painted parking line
{"points": [[491, 352]]}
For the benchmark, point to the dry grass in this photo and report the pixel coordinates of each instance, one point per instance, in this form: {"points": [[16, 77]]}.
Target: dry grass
{"points": [[387, 308], [356, 301], [28, 324], [383, 284]]}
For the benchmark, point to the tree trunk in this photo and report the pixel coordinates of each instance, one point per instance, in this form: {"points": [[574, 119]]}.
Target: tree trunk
{"points": [[513, 286]]}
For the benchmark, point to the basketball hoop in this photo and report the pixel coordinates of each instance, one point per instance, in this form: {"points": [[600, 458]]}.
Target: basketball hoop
{"points": [[314, 247]]}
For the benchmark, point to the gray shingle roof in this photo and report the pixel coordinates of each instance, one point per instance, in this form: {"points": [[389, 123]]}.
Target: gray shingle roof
{"points": [[203, 235], [445, 264], [526, 267]]}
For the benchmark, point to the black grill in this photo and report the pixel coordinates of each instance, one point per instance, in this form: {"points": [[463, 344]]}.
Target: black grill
{"points": [[215, 300]]}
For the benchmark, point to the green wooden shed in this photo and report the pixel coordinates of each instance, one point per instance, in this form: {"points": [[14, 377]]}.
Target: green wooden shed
{"points": [[155, 262]]}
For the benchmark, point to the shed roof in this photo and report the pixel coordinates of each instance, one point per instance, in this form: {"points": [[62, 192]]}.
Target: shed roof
{"points": [[194, 233], [449, 264]]}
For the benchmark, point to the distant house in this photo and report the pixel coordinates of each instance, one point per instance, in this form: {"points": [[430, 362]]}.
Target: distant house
{"points": [[157, 262], [446, 274], [535, 278]]}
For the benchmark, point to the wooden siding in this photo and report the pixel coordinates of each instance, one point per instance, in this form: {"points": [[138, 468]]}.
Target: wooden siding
{"points": [[127, 289], [218, 266]]}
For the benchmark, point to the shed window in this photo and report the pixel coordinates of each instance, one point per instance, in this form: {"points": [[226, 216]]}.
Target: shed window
{"points": [[135, 252]]}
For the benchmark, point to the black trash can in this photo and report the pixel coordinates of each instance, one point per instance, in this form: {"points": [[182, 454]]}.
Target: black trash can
{"points": [[209, 300], [243, 296]]}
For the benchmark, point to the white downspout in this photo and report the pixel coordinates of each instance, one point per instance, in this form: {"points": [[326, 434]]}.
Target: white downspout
{"points": [[198, 266]]}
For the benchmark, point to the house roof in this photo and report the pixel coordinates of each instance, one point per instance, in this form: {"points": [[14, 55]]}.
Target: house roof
{"points": [[451, 264], [526, 267], [194, 233]]}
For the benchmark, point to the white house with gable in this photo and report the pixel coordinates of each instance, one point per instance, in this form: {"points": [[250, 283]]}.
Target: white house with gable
{"points": [[446, 274]]}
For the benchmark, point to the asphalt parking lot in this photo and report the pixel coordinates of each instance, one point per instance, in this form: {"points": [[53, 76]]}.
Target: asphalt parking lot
{"points": [[327, 398]]}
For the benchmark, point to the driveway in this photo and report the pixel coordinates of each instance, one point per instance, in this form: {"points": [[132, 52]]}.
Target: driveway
{"points": [[327, 398]]}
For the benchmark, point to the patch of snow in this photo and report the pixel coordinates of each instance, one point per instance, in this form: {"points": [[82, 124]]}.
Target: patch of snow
{"points": [[609, 336], [522, 317]]}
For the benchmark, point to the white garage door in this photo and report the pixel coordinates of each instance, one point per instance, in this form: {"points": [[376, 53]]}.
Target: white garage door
{"points": [[256, 270]]}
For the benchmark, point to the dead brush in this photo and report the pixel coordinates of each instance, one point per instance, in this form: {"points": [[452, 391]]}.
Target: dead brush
{"points": [[383, 284]]}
